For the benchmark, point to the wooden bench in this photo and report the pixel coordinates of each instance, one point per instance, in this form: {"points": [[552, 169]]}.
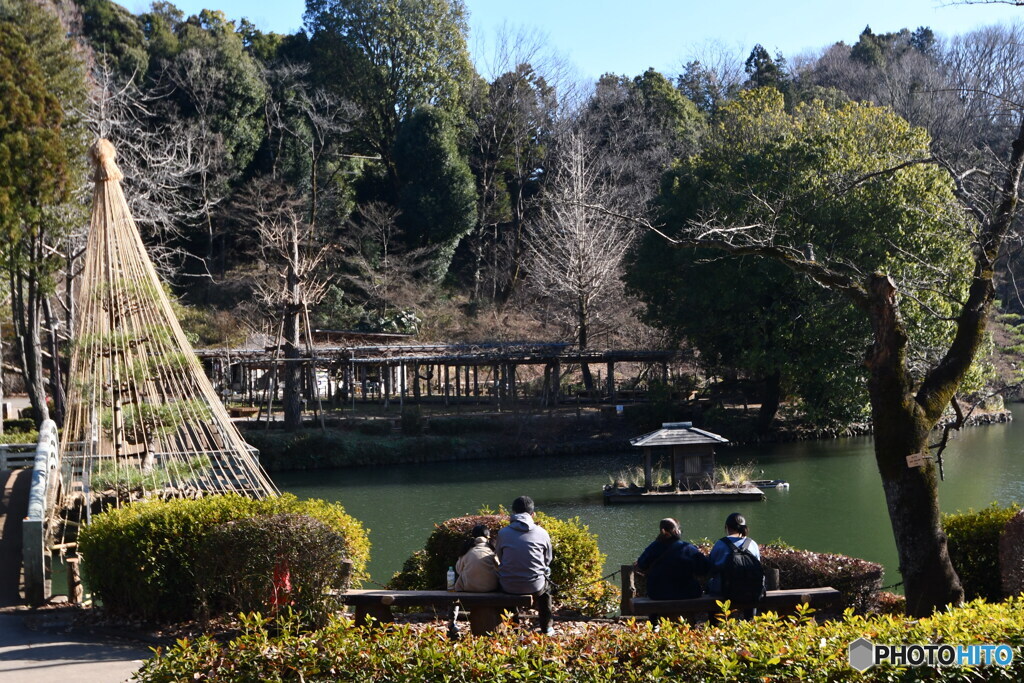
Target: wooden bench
{"points": [[484, 608], [781, 601], [242, 411]]}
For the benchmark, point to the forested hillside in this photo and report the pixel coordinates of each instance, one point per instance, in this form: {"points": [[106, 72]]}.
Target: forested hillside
{"points": [[365, 172]]}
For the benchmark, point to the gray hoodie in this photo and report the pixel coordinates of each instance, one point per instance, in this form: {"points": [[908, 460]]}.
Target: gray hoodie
{"points": [[524, 556]]}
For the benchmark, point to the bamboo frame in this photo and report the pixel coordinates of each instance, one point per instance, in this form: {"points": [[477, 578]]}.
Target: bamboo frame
{"points": [[140, 394]]}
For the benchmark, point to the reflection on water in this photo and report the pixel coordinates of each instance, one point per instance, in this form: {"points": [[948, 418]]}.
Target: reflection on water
{"points": [[835, 503]]}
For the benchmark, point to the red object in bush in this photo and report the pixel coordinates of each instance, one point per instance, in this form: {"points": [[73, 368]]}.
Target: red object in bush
{"points": [[281, 594]]}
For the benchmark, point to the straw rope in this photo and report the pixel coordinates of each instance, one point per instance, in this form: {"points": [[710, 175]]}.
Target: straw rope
{"points": [[138, 396]]}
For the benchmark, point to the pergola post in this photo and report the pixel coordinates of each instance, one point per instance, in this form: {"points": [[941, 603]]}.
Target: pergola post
{"points": [[556, 381], [403, 373], [611, 381], [447, 385], [496, 385]]}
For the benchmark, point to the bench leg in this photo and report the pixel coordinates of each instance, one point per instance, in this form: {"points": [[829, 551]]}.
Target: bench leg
{"points": [[380, 613], [484, 620]]}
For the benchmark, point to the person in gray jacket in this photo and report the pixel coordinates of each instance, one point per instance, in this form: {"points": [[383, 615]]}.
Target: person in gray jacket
{"points": [[524, 559]]}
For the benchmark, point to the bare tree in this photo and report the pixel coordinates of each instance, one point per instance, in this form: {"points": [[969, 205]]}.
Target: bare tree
{"points": [[577, 244], [160, 160], [292, 254]]}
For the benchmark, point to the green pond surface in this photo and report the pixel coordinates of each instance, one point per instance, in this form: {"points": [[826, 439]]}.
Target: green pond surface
{"points": [[834, 503]]}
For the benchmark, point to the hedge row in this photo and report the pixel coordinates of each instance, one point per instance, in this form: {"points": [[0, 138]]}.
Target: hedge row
{"points": [[270, 562], [973, 541], [858, 580], [145, 559], [21, 424], [768, 648], [312, 450]]}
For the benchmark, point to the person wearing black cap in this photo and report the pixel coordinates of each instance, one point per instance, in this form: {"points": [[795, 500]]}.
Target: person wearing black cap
{"points": [[736, 537]]}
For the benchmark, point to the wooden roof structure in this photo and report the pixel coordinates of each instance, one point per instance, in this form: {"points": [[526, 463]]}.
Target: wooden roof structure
{"points": [[691, 451], [138, 397], [678, 434]]}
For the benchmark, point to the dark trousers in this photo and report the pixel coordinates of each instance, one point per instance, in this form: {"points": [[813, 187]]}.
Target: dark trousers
{"points": [[542, 601]]}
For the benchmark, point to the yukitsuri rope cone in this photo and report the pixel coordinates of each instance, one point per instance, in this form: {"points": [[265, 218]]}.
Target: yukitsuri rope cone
{"points": [[140, 407]]}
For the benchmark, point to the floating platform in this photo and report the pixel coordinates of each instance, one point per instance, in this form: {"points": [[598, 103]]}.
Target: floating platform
{"points": [[616, 496]]}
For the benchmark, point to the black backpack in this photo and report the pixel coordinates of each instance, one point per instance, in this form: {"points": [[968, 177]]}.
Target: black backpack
{"points": [[742, 576]]}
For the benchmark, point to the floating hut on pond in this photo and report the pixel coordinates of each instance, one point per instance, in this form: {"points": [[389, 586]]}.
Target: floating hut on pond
{"points": [[691, 454]]}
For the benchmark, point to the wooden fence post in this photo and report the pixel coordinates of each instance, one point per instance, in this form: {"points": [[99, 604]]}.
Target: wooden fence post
{"points": [[628, 590]]}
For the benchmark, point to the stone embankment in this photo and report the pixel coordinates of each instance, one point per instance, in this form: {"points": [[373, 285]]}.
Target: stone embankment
{"points": [[789, 433]]}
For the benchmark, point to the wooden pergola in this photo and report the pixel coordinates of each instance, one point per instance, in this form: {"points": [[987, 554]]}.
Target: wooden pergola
{"points": [[487, 370]]}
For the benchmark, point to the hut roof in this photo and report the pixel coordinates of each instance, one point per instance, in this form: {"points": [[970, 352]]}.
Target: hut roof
{"points": [[678, 434]]}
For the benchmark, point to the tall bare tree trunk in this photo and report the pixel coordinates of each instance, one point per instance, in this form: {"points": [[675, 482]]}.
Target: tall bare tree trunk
{"points": [[1, 380], [292, 366], [771, 397], [26, 314], [588, 378], [56, 373]]}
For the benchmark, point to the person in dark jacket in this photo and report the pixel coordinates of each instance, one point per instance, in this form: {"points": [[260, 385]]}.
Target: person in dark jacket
{"points": [[524, 559], [672, 565]]}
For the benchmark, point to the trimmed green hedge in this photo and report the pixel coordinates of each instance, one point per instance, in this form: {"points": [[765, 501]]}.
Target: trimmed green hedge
{"points": [[19, 437], [143, 560], [454, 426], [973, 540], [271, 562], [575, 571], [767, 648], [22, 424]]}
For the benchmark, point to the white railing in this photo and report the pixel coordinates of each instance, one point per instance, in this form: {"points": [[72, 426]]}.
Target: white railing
{"points": [[15, 455], [45, 479]]}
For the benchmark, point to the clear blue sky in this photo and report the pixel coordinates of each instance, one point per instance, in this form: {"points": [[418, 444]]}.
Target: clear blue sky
{"points": [[628, 36]]}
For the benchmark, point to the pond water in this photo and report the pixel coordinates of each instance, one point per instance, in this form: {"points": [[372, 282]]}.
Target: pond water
{"points": [[834, 503]]}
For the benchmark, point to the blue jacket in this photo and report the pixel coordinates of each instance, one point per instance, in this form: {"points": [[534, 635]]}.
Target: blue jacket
{"points": [[672, 568], [524, 556]]}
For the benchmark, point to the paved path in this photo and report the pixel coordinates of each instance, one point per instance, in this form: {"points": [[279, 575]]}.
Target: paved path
{"points": [[14, 489], [50, 655]]}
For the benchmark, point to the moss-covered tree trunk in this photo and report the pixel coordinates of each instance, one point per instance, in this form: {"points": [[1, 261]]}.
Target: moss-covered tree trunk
{"points": [[902, 429]]}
